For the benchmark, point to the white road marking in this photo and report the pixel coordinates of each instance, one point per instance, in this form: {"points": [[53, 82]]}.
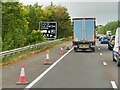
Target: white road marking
{"points": [[100, 53], [104, 63], [98, 48], [114, 84], [46, 71]]}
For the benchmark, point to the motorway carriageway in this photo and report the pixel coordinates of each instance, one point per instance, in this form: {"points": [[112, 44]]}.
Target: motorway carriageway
{"points": [[71, 70]]}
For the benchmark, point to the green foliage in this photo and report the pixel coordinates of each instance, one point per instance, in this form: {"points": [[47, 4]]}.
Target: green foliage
{"points": [[60, 15], [20, 23], [37, 36], [111, 26]]}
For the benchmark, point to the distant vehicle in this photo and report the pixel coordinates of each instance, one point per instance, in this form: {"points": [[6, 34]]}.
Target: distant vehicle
{"points": [[111, 43], [116, 49], [97, 36], [84, 34], [100, 38], [108, 33], [104, 40]]}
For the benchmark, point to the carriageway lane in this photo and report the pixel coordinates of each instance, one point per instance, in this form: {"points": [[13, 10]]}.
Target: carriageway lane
{"points": [[77, 70], [107, 57], [34, 66]]}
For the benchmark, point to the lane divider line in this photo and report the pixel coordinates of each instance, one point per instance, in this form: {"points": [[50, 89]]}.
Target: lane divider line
{"points": [[98, 48], [104, 63], [114, 84], [46, 71], [100, 53]]}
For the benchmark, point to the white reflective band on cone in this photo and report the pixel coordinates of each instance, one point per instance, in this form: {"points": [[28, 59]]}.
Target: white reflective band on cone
{"points": [[22, 72], [47, 56]]}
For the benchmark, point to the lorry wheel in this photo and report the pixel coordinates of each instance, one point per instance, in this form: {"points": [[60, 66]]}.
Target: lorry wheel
{"points": [[75, 50], [114, 58], [108, 46]]}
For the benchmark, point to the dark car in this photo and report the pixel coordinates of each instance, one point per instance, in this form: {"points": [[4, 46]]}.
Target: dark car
{"points": [[111, 43], [100, 38], [104, 40]]}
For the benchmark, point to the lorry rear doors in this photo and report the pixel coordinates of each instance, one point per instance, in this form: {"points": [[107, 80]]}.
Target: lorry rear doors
{"points": [[84, 30]]}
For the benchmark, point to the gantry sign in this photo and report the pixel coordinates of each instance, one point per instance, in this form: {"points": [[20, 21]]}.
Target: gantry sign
{"points": [[49, 29]]}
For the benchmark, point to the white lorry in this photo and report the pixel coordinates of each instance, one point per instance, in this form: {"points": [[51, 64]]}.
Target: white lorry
{"points": [[116, 49]]}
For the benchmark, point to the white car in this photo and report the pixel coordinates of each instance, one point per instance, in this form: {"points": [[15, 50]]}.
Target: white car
{"points": [[116, 49]]}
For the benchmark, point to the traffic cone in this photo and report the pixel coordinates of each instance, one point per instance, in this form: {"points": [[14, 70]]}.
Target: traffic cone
{"points": [[22, 80], [67, 48], [61, 51], [47, 59], [72, 45]]}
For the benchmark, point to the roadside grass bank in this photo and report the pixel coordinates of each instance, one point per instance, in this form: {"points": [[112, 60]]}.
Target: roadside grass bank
{"points": [[28, 53]]}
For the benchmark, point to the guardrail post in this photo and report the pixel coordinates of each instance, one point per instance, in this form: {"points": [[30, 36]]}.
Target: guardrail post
{"points": [[32, 48], [11, 54], [15, 53], [5, 57], [28, 49], [21, 51]]}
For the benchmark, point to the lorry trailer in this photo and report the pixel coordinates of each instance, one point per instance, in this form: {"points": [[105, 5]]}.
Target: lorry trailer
{"points": [[84, 34]]}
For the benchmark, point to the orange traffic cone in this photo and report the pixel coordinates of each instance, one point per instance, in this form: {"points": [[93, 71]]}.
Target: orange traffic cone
{"points": [[61, 51], [47, 59], [72, 45], [67, 48], [22, 80]]}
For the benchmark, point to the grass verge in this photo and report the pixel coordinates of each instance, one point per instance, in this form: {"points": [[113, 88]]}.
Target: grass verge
{"points": [[26, 54]]}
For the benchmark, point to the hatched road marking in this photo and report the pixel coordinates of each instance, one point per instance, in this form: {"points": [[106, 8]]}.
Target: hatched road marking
{"points": [[46, 71]]}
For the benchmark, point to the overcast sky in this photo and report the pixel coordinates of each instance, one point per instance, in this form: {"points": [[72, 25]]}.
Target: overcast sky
{"points": [[103, 10]]}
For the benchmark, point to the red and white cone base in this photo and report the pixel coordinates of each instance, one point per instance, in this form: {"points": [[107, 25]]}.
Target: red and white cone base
{"points": [[72, 45], [67, 48]]}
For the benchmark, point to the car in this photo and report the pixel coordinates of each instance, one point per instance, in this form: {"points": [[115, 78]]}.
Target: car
{"points": [[104, 40], [116, 49], [111, 43], [100, 38]]}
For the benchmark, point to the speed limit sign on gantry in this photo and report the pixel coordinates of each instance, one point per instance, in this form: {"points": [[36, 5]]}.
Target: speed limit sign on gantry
{"points": [[49, 29]]}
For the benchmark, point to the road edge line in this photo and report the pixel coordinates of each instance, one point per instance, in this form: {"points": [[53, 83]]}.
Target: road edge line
{"points": [[46, 71]]}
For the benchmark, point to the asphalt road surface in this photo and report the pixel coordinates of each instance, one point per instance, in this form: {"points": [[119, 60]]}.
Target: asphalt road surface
{"points": [[71, 70]]}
